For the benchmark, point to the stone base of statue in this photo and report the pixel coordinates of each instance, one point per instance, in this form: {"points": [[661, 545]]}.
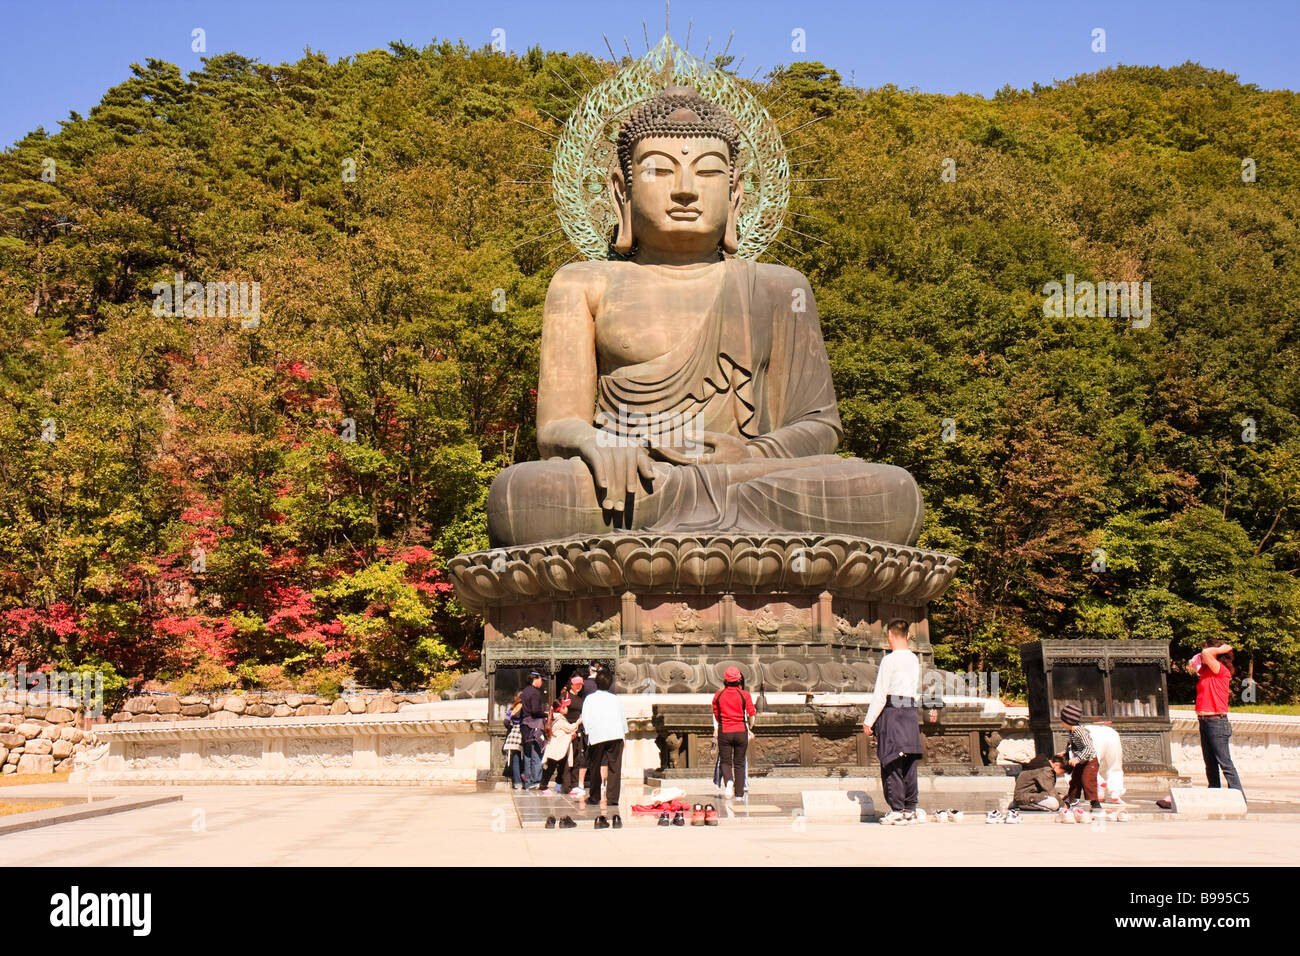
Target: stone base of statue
{"points": [[669, 613]]}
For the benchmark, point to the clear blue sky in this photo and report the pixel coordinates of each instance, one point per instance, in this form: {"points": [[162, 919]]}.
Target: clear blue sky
{"points": [[61, 56]]}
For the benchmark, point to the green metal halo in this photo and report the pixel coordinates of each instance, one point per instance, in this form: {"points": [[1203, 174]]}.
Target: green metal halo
{"points": [[586, 152]]}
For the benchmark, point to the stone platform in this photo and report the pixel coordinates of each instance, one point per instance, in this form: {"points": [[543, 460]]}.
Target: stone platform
{"points": [[793, 612]]}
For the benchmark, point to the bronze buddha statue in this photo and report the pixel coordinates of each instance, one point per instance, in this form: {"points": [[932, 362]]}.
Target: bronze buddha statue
{"points": [[683, 390]]}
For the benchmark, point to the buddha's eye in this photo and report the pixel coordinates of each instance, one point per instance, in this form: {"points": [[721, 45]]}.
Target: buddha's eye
{"points": [[651, 172]]}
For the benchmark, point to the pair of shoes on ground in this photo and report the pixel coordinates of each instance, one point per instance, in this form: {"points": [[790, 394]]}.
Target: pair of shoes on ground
{"points": [[604, 824], [1011, 815], [704, 816], [1078, 813], [701, 816], [946, 816], [565, 824], [901, 818]]}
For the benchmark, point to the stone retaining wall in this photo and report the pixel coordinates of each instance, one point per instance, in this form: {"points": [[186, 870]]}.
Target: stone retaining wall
{"points": [[150, 708], [37, 738], [1261, 743]]}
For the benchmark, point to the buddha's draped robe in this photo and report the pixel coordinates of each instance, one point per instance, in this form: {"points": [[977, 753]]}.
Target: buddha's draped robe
{"points": [[755, 369]]}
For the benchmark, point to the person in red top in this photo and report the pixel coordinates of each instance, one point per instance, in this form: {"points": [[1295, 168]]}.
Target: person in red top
{"points": [[733, 710], [1213, 673]]}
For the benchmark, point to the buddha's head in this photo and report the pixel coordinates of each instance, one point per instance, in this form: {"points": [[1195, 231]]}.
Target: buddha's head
{"points": [[676, 187]]}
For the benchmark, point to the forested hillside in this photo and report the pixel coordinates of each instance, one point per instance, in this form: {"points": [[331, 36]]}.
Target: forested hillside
{"points": [[179, 496]]}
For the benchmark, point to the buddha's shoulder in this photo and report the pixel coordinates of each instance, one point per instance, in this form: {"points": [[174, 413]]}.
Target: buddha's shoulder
{"points": [[774, 276], [582, 273]]}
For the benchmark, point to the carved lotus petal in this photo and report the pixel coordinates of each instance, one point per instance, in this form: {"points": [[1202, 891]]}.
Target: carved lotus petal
{"points": [[519, 578], [628, 678], [598, 569], [886, 574], [788, 675], [756, 568], [857, 567], [647, 568], [938, 579], [809, 567], [747, 671], [866, 671], [914, 576], [484, 582], [703, 567], [675, 676], [558, 573], [840, 547], [838, 675]]}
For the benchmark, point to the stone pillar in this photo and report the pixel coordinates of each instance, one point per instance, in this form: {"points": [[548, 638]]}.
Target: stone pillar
{"points": [[191, 755], [273, 754], [365, 751], [727, 607], [631, 625]]}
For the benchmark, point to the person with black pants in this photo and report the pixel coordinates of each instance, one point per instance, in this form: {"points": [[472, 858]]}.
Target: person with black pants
{"points": [[733, 710], [534, 735], [893, 720], [606, 723]]}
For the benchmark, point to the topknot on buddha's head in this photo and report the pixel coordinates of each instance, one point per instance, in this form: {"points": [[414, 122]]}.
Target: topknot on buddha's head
{"points": [[677, 111]]}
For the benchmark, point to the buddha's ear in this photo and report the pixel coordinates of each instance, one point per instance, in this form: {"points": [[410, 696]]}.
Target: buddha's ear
{"points": [[730, 241], [618, 192]]}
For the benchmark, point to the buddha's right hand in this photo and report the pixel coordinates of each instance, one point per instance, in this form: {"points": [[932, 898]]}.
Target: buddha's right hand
{"points": [[615, 465]]}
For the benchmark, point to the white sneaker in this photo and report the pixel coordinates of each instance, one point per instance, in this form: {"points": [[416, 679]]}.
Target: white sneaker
{"points": [[920, 815], [954, 816], [912, 816], [1123, 816], [894, 818], [1065, 815], [1013, 816], [994, 816], [576, 792], [729, 791]]}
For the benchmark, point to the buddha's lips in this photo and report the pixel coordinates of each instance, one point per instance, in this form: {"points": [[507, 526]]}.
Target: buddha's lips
{"points": [[684, 214]]}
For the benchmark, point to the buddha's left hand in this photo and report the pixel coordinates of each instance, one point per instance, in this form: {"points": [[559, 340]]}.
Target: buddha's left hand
{"points": [[722, 449]]}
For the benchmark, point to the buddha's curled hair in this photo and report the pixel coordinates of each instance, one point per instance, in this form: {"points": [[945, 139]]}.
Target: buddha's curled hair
{"points": [[677, 111]]}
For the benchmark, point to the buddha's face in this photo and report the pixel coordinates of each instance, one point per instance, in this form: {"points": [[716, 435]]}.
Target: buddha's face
{"points": [[680, 193]]}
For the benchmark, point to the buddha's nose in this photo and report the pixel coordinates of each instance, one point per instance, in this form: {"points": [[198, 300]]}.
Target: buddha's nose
{"points": [[684, 190]]}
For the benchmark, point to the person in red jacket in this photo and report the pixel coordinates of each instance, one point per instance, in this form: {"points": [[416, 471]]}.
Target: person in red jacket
{"points": [[733, 710]]}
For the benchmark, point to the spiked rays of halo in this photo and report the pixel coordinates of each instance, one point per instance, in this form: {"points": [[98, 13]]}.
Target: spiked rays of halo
{"points": [[584, 150]]}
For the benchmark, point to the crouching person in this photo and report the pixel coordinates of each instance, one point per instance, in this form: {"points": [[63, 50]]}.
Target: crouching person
{"points": [[1036, 784]]}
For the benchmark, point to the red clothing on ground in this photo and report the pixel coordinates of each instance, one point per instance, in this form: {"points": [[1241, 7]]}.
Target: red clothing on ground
{"points": [[1212, 690], [730, 705]]}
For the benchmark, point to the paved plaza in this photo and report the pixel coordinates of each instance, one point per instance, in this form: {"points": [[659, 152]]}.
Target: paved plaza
{"points": [[408, 826]]}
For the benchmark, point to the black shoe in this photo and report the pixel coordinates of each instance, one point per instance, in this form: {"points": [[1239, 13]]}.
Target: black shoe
{"points": [[550, 823], [617, 822], [602, 823], [664, 820], [679, 819], [567, 823]]}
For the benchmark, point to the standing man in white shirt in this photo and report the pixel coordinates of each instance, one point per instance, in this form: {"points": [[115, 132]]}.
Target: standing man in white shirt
{"points": [[892, 719], [602, 715]]}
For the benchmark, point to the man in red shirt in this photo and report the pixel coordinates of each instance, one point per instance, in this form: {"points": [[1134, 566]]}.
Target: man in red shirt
{"points": [[1213, 673]]}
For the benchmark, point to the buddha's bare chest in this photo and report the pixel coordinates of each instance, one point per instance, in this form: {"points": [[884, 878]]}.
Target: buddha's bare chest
{"points": [[637, 321]]}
